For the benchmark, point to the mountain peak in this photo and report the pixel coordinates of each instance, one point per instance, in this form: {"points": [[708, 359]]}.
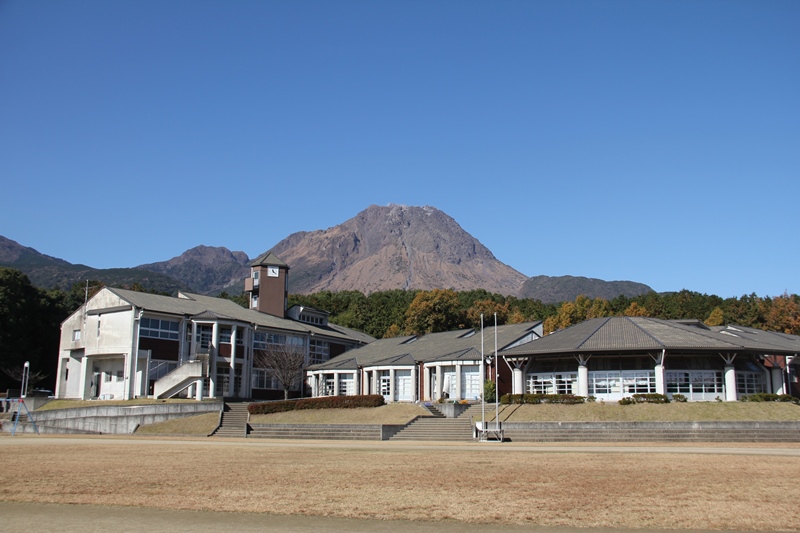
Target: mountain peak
{"points": [[394, 247]]}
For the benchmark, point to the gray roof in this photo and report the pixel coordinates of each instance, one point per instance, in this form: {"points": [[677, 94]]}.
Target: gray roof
{"points": [[457, 345], [268, 258], [641, 334], [199, 306]]}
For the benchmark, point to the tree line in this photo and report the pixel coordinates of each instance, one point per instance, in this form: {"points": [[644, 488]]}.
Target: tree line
{"points": [[31, 317], [393, 313]]}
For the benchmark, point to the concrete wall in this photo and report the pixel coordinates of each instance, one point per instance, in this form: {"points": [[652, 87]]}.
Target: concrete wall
{"points": [[114, 419]]}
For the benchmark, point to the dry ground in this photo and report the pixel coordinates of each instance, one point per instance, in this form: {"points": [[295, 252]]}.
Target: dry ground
{"points": [[508, 485]]}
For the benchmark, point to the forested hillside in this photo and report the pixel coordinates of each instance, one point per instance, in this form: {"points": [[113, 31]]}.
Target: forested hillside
{"points": [[392, 313], [30, 317]]}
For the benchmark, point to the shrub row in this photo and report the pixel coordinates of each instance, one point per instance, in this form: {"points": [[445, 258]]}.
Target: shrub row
{"points": [[644, 398], [323, 402], [767, 397], [569, 399]]}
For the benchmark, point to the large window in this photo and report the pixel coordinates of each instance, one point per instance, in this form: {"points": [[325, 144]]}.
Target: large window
{"points": [[750, 382], [262, 379], [155, 328], [263, 338], [225, 333], [318, 351], [697, 384], [566, 383], [347, 385]]}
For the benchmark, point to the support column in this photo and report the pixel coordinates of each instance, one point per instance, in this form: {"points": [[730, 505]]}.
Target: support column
{"points": [[392, 388], [414, 388], [375, 389], [427, 394], [438, 392], [232, 377], [583, 374], [212, 361], [517, 381], [658, 372], [777, 381], [198, 385], [731, 394], [336, 384]]}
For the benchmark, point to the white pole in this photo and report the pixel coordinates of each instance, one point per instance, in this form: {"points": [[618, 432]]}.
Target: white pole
{"points": [[483, 383], [496, 380], [26, 375]]}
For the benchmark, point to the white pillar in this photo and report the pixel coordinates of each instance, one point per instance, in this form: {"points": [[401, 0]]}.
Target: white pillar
{"points": [[392, 391], [660, 380], [583, 380], [212, 361], [777, 381], [231, 379], [198, 386], [517, 381], [426, 385], [86, 372], [731, 394], [336, 384], [457, 377], [193, 341], [414, 387], [438, 392]]}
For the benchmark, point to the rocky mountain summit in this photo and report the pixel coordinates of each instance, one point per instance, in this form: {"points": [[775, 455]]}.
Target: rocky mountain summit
{"points": [[394, 247]]}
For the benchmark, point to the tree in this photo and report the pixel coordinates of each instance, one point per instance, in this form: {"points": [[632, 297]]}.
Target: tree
{"points": [[715, 318], [392, 331], [636, 310], [285, 361], [488, 308], [30, 321], [433, 311]]}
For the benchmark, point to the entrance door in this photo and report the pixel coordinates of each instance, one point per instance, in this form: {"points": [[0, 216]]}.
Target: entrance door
{"points": [[385, 385], [403, 385]]}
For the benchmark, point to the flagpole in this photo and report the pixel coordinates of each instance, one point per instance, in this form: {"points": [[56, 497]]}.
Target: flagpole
{"points": [[496, 380], [483, 386]]}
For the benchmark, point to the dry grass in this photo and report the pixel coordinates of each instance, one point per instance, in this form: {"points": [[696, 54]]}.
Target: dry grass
{"points": [[652, 490], [190, 425], [672, 412], [395, 413]]}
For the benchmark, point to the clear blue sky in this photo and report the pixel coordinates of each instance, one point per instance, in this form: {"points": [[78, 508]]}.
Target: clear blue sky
{"points": [[654, 141]]}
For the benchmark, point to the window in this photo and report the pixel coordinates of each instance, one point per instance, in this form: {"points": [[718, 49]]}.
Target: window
{"points": [[254, 301], [318, 351], [262, 379], [76, 335], [312, 320], [255, 278], [155, 328], [262, 338], [750, 382], [552, 384], [107, 376], [225, 335], [119, 375]]}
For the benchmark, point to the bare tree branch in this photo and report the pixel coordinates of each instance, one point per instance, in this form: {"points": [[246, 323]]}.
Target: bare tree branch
{"points": [[286, 361], [15, 373]]}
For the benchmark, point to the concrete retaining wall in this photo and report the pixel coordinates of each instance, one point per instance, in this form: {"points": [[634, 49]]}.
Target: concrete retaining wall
{"points": [[112, 419]]}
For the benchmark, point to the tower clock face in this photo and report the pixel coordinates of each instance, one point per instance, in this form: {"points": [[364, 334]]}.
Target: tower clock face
{"points": [[272, 271]]}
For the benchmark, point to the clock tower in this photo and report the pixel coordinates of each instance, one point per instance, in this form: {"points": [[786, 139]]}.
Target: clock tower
{"points": [[268, 285]]}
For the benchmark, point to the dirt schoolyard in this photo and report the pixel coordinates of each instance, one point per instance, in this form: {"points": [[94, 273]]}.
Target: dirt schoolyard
{"points": [[646, 487]]}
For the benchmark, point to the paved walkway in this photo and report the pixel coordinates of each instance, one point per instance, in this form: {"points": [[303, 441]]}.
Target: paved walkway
{"points": [[26, 517], [711, 449]]}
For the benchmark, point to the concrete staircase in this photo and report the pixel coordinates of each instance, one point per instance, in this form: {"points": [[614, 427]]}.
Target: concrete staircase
{"points": [[439, 428], [316, 431], [178, 379], [234, 421]]}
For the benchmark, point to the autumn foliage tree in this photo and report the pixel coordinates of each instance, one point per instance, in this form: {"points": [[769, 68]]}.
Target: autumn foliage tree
{"points": [[433, 311]]}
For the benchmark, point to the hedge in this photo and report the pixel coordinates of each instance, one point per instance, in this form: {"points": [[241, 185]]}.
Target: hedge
{"points": [[768, 397], [644, 398], [323, 402], [568, 399]]}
